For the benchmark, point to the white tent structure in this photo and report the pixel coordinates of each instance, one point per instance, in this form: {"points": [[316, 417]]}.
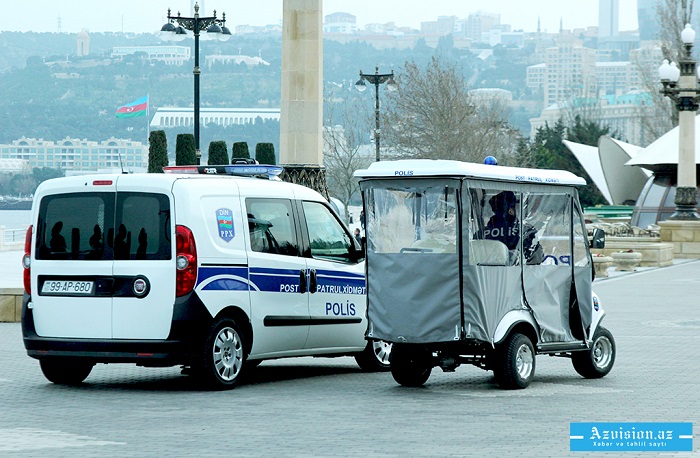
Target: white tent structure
{"points": [[606, 166], [662, 155]]}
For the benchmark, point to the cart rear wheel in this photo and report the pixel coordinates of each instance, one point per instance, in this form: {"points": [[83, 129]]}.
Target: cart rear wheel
{"points": [[410, 365], [598, 361], [65, 371], [515, 365], [375, 356]]}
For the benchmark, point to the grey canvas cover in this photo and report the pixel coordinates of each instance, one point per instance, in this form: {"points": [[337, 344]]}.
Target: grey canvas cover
{"points": [[412, 259], [426, 284]]}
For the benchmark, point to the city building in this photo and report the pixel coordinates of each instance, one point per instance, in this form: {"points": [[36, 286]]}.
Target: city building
{"points": [[171, 55], [83, 43], [340, 23], [73, 154], [480, 23], [15, 166], [608, 18], [166, 117], [570, 70], [616, 77], [623, 114], [250, 61]]}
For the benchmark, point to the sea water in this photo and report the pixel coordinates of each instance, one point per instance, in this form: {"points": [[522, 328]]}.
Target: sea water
{"points": [[15, 219]]}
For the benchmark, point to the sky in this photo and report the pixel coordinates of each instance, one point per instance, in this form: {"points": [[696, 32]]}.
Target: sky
{"points": [[149, 15]]}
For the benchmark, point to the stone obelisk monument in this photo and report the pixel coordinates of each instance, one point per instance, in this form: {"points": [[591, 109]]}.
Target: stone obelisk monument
{"points": [[301, 105]]}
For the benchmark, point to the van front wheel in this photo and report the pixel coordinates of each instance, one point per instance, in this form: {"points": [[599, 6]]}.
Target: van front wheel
{"points": [[375, 356], [410, 365], [515, 365], [64, 371], [223, 356]]}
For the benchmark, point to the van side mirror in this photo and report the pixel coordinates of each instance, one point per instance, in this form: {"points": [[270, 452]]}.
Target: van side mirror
{"points": [[598, 239]]}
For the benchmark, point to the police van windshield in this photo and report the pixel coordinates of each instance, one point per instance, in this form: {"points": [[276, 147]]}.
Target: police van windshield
{"points": [[412, 221], [104, 226]]}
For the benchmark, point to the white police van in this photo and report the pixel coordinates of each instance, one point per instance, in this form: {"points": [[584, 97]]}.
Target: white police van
{"points": [[215, 273]]}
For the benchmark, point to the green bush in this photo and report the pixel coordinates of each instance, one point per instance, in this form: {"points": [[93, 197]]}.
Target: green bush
{"points": [[217, 153], [157, 151], [185, 153], [265, 153], [240, 150]]}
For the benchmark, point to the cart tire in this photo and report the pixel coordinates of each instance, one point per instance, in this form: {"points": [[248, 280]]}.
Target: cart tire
{"points": [[222, 358], [515, 364], [410, 366], [375, 356], [65, 371], [598, 361]]}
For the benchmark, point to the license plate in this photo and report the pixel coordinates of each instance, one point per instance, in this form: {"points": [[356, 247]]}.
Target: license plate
{"points": [[70, 287]]}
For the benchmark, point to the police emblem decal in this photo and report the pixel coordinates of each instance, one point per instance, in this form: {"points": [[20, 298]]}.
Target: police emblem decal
{"points": [[224, 218]]}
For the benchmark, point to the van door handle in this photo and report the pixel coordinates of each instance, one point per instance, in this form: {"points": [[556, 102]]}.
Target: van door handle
{"points": [[312, 281], [302, 281]]}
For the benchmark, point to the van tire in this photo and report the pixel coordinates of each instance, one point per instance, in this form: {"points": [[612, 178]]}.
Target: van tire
{"points": [[65, 371], [410, 365], [598, 361], [375, 357], [222, 358], [515, 362]]}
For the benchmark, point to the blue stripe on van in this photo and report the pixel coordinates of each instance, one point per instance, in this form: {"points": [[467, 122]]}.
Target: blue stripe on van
{"points": [[276, 280]]}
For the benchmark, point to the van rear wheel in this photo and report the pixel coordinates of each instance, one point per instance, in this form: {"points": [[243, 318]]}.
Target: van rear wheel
{"points": [[410, 365], [598, 361], [65, 371], [515, 365], [222, 358]]}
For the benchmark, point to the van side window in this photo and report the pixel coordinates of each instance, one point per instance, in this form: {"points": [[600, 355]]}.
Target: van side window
{"points": [[271, 226], [72, 226], [327, 237]]}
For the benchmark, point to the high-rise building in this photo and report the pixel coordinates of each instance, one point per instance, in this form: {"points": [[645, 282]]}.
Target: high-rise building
{"points": [[646, 18], [570, 70], [608, 18]]}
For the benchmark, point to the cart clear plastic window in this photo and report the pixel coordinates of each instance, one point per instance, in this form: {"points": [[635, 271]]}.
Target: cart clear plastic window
{"points": [[412, 220], [494, 219], [550, 217]]}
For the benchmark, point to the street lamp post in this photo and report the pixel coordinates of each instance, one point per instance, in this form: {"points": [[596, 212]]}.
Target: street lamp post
{"points": [[377, 79], [681, 86], [174, 30]]}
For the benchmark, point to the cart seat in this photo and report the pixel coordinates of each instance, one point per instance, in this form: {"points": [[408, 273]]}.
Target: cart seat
{"points": [[488, 253]]}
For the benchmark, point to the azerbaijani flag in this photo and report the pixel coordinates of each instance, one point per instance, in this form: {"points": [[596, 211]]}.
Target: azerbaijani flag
{"points": [[133, 109]]}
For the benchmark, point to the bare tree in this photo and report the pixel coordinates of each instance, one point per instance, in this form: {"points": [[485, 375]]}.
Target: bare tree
{"points": [[346, 124], [433, 115], [661, 116]]}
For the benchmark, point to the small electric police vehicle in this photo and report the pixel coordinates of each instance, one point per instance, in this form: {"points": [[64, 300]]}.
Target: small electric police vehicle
{"points": [[214, 273], [480, 264]]}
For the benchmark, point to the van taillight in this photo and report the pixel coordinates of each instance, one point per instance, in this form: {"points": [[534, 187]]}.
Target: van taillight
{"points": [[185, 261], [27, 261]]}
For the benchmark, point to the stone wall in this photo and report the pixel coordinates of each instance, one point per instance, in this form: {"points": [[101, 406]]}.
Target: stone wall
{"points": [[655, 253], [685, 237]]}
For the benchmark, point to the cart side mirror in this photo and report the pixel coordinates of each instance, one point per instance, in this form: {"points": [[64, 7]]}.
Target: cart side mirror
{"points": [[357, 252], [598, 239]]}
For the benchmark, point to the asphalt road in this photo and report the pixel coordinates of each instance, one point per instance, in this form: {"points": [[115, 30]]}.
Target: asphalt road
{"points": [[328, 407]]}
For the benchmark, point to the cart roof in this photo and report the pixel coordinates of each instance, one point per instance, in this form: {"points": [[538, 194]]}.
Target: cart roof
{"points": [[408, 168]]}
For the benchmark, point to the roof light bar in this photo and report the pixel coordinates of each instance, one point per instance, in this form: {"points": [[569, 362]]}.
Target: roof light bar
{"points": [[247, 170]]}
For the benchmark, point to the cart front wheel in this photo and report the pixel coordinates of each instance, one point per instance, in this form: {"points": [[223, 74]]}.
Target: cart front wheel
{"points": [[599, 359], [410, 366], [516, 362]]}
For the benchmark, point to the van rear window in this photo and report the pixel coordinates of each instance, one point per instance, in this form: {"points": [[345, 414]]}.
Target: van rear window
{"points": [[104, 226]]}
